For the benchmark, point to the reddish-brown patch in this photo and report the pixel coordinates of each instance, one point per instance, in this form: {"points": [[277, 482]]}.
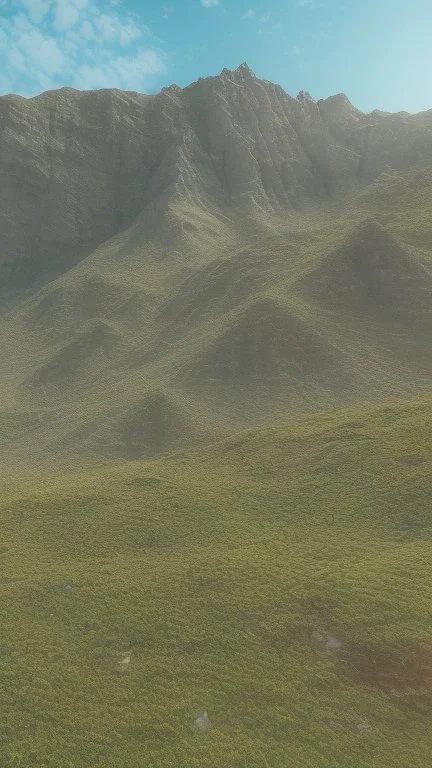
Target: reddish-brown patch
{"points": [[401, 673]]}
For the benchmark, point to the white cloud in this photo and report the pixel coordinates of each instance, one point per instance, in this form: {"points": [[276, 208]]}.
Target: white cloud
{"points": [[121, 72], [296, 50], [66, 14], [37, 9], [17, 60], [87, 30], [129, 33], [265, 17], [5, 84], [106, 26], [45, 82], [306, 4], [83, 43], [209, 3], [249, 13], [41, 51], [167, 10]]}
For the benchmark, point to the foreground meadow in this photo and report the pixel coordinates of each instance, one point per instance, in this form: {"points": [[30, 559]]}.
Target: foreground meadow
{"points": [[280, 581]]}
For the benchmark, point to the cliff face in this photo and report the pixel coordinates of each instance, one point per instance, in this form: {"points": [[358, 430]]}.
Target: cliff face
{"points": [[78, 167]]}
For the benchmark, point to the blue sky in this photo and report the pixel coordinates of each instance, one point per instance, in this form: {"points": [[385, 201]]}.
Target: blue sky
{"points": [[376, 51]]}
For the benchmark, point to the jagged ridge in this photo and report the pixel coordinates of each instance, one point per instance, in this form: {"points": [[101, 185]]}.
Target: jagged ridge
{"points": [[77, 167]]}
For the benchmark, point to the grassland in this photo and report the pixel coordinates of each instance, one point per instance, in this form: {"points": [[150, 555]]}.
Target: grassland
{"points": [[281, 580]]}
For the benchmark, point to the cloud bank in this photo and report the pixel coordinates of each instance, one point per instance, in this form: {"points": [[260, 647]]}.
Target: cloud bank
{"points": [[82, 43]]}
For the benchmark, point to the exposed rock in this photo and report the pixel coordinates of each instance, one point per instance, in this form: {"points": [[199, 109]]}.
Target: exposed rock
{"points": [[304, 96], [324, 641], [123, 663], [363, 726], [203, 721], [78, 167], [332, 643]]}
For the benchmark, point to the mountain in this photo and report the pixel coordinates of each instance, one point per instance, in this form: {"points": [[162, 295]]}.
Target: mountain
{"points": [[175, 267], [79, 167]]}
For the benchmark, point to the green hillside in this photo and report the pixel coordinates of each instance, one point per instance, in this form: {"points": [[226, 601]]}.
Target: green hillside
{"points": [[315, 310], [280, 580]]}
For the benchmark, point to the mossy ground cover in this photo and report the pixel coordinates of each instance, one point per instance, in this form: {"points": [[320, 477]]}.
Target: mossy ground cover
{"points": [[280, 580]]}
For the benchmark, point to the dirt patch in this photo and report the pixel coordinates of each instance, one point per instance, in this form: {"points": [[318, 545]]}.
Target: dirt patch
{"points": [[402, 673]]}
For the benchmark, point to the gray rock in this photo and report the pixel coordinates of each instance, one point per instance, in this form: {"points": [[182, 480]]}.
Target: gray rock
{"points": [[202, 720], [332, 643], [363, 726]]}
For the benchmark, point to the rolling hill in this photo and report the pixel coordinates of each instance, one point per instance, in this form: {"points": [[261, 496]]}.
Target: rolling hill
{"points": [[279, 580]]}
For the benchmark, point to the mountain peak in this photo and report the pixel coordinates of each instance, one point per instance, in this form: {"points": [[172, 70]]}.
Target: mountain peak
{"points": [[305, 96], [173, 88], [339, 100], [243, 71]]}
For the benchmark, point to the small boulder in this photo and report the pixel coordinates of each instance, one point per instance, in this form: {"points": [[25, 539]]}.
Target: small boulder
{"points": [[202, 720], [363, 726], [332, 643], [123, 663]]}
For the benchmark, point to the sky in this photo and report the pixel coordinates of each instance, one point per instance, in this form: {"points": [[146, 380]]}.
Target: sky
{"points": [[378, 52]]}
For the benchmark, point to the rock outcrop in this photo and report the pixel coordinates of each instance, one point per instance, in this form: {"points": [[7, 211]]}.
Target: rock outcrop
{"points": [[76, 168]]}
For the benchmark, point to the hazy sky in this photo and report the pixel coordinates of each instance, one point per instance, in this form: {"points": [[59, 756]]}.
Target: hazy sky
{"points": [[376, 51]]}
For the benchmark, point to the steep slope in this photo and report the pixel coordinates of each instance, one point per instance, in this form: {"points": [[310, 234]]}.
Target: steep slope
{"points": [[94, 343], [269, 343], [216, 288], [374, 274], [77, 168], [64, 306]]}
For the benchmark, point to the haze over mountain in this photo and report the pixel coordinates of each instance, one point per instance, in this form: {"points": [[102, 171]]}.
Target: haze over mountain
{"points": [[178, 266]]}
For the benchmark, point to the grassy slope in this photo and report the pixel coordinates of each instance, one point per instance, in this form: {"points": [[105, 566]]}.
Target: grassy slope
{"points": [[223, 573], [138, 317]]}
